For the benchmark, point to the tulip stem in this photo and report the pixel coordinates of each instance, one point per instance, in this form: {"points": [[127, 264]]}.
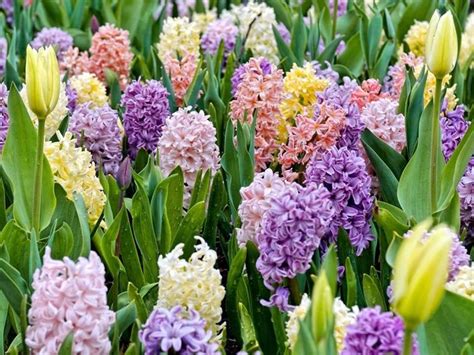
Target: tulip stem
{"points": [[334, 19], [294, 290], [407, 342], [38, 177], [435, 144]]}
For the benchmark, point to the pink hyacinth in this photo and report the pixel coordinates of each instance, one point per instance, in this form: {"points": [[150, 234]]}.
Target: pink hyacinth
{"points": [[69, 297], [368, 91], [74, 62], [110, 49], [396, 74], [382, 118], [261, 90], [181, 73], [255, 202], [310, 135], [188, 140]]}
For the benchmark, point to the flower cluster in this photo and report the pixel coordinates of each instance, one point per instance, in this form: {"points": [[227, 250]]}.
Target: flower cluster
{"points": [[110, 49], [189, 141], [467, 42], [3, 55], [255, 21], [463, 284], [383, 119], [416, 38], [176, 331], [55, 37], [370, 90], [193, 284], [255, 202], [69, 297], [181, 72], [96, 128], [4, 119], [178, 38], [74, 62], [344, 173], [260, 89], [74, 170], [146, 108], [222, 30], [55, 118], [375, 332], [89, 89], [300, 87], [292, 230]]}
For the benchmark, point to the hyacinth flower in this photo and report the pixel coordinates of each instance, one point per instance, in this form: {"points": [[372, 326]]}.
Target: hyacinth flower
{"points": [[69, 297], [146, 108], [181, 72], [176, 331], [4, 118], [463, 283], [3, 54], [60, 40], [178, 38], [221, 30], [89, 89]]}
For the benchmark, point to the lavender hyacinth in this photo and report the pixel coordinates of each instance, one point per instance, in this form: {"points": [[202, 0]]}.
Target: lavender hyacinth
{"points": [[55, 37], [344, 173], [284, 33], [145, 109], [376, 333], [3, 55], [97, 129], [7, 7], [279, 299], [71, 98], [341, 7], [4, 120], [175, 331], [222, 30], [239, 73], [292, 230]]}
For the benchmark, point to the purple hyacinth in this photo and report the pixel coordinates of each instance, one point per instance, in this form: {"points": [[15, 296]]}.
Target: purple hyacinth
{"points": [[96, 128], [4, 120], [3, 55], [55, 37], [177, 332], [222, 30], [376, 333], [284, 33], [340, 96], [328, 73], [291, 231], [239, 73], [341, 7], [344, 173], [279, 299], [146, 108], [71, 95], [453, 127], [341, 47], [7, 7]]}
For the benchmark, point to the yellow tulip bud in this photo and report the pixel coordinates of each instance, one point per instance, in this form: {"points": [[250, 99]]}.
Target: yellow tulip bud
{"points": [[441, 49], [420, 274], [42, 80], [321, 312]]}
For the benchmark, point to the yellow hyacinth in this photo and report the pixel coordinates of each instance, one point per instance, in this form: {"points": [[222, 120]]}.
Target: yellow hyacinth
{"points": [[420, 274], [441, 48], [89, 89], [416, 37], [42, 80]]}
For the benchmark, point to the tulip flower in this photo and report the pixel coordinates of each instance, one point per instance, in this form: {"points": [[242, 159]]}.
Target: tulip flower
{"points": [[42, 80], [420, 274], [441, 49], [322, 308]]}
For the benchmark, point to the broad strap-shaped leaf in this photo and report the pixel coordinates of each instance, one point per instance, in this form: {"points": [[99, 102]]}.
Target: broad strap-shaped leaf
{"points": [[18, 161]]}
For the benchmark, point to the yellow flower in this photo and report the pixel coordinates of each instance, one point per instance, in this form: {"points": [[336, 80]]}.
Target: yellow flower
{"points": [[74, 170], [202, 20], [55, 117], [300, 87], [441, 44], [463, 284], [420, 274], [416, 37], [178, 38], [467, 43], [89, 89], [42, 80]]}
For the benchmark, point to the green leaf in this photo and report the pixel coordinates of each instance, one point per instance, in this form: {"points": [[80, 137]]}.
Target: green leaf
{"points": [[66, 346], [414, 188], [217, 201], [374, 33], [83, 216], [13, 286], [330, 268], [124, 317], [114, 87], [195, 87], [61, 242], [233, 278], [18, 161], [246, 161], [134, 296], [108, 247], [372, 293], [328, 53], [230, 165], [174, 200], [380, 68], [34, 259], [286, 54], [414, 110], [129, 253], [129, 14], [18, 246], [247, 330], [352, 56], [420, 10], [3, 317], [189, 227], [351, 284], [282, 11], [299, 38]]}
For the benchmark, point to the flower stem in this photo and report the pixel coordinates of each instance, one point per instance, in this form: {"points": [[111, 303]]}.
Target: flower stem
{"points": [[334, 18], [407, 342], [294, 290], [38, 177], [435, 144]]}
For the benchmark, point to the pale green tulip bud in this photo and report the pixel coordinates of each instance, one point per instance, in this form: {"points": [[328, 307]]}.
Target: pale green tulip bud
{"points": [[441, 49], [42, 80], [420, 274], [321, 310]]}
